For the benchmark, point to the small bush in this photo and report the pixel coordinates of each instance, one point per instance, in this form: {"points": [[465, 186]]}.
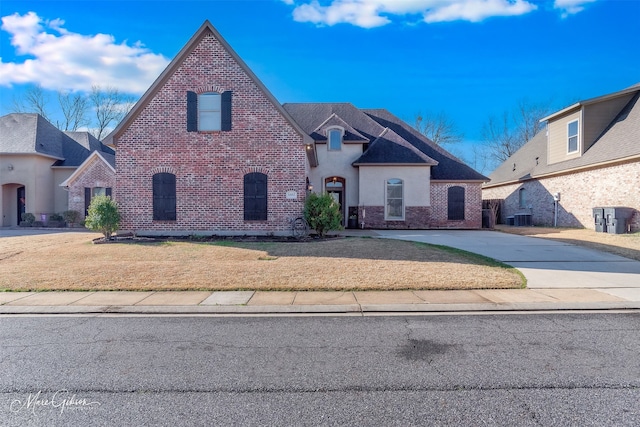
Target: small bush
{"points": [[28, 218], [71, 217], [56, 217], [322, 213], [103, 216]]}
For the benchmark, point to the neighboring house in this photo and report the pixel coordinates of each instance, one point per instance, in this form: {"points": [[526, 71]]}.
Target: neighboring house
{"points": [[208, 149], [35, 158], [587, 157], [385, 173]]}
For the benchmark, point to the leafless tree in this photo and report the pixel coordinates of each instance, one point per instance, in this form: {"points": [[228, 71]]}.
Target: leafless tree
{"points": [[503, 136], [110, 106], [35, 100], [74, 107], [439, 128]]}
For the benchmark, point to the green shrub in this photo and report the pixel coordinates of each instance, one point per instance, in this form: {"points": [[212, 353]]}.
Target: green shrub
{"points": [[56, 217], [71, 217], [29, 218], [103, 216], [322, 213]]}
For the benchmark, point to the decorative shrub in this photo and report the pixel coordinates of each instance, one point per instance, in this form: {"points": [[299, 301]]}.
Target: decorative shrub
{"points": [[71, 216], [103, 216], [56, 217], [322, 213], [28, 218]]}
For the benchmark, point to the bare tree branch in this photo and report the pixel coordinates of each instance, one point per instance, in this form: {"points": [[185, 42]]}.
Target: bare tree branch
{"points": [[74, 109], [110, 106], [439, 128], [35, 101]]}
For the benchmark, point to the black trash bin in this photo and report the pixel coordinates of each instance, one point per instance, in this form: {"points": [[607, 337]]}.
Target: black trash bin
{"points": [[617, 219], [599, 220]]}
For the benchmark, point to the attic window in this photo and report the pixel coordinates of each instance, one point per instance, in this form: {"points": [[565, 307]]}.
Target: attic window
{"points": [[209, 111], [334, 139]]}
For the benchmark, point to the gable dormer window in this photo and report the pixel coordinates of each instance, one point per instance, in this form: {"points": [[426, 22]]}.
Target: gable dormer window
{"points": [[572, 137], [208, 111], [334, 139]]}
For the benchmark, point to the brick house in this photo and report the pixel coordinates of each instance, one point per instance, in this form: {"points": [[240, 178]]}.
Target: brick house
{"points": [[587, 157], [35, 159], [209, 150]]}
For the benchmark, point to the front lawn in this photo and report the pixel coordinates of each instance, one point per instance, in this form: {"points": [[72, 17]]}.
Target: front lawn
{"points": [[70, 261]]}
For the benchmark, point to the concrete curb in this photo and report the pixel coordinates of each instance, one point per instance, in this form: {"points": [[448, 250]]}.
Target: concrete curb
{"points": [[323, 309]]}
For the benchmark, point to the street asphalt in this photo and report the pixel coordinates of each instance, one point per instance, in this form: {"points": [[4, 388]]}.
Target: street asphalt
{"points": [[559, 276]]}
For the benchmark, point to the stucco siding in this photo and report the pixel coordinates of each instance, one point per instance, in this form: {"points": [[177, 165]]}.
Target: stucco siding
{"points": [[338, 164], [415, 184]]}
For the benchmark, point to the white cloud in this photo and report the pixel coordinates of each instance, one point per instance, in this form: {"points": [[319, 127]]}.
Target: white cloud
{"points": [[376, 13], [62, 60], [570, 7]]}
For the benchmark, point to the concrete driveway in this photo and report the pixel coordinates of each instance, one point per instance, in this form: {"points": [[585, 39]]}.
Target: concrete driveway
{"points": [[545, 263]]}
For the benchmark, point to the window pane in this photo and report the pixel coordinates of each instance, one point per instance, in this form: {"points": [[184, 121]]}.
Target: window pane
{"points": [[394, 199], [335, 138], [99, 191], [394, 208], [209, 101], [573, 144], [573, 128], [209, 120]]}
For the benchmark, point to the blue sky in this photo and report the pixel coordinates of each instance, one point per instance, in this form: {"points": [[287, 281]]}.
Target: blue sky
{"points": [[468, 58]]}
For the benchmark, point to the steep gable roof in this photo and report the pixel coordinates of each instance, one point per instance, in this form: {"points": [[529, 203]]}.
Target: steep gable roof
{"points": [[77, 146], [618, 142], [350, 134], [30, 133], [204, 29], [449, 168], [390, 148], [96, 156]]}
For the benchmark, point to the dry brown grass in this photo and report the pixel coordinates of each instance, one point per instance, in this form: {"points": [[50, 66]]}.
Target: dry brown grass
{"points": [[69, 261], [626, 245]]}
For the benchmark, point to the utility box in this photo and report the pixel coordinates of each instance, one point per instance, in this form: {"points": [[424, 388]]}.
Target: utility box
{"points": [[522, 220], [617, 219], [599, 220]]}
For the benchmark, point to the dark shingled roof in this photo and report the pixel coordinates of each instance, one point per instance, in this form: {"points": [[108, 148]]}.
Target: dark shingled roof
{"points": [[390, 148], [26, 133], [449, 167], [618, 141], [30, 133], [350, 134]]}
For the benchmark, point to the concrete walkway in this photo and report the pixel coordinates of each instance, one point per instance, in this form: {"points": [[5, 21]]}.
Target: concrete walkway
{"points": [[367, 302]]}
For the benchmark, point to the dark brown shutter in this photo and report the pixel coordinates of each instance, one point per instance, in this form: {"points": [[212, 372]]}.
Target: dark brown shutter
{"points": [[192, 112], [455, 203], [225, 121], [164, 197], [107, 191], [87, 200], [255, 197]]}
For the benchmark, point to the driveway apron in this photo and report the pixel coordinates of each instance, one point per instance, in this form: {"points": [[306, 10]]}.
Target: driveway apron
{"points": [[545, 263]]}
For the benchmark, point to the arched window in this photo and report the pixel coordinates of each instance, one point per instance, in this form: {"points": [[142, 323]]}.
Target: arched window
{"points": [[334, 137], [255, 197], [394, 199], [164, 197], [522, 198], [455, 203]]}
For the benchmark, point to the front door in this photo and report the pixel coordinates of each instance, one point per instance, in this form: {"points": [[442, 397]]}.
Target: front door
{"points": [[334, 186], [21, 203]]}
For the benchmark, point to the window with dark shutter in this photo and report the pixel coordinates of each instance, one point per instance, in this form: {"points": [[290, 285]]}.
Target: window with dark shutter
{"points": [[87, 200], [226, 111], [108, 192], [192, 112], [455, 203], [255, 197], [164, 197]]}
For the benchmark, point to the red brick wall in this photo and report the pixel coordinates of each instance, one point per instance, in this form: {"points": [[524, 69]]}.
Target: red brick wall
{"points": [[417, 217], [472, 205], [97, 174], [209, 167]]}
